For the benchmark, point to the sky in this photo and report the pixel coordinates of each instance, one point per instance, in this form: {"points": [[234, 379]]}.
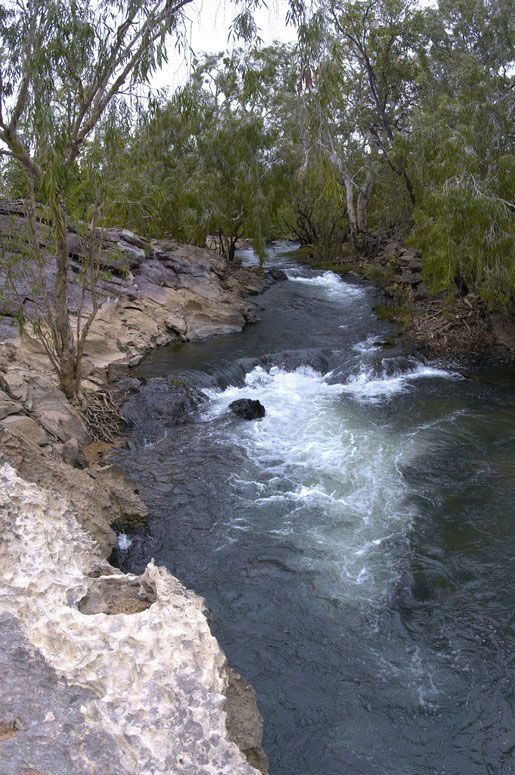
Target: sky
{"points": [[208, 30]]}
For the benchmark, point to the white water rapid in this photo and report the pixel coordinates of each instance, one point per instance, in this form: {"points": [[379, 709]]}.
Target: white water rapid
{"points": [[313, 452]]}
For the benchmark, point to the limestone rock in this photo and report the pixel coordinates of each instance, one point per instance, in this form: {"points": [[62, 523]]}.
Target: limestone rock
{"points": [[26, 427], [171, 290], [8, 406], [97, 502], [176, 323], [74, 455], [244, 722], [35, 388], [138, 693], [49, 733]]}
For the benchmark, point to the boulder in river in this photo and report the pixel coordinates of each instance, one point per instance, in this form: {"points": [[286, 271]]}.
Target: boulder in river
{"points": [[247, 409], [277, 274]]}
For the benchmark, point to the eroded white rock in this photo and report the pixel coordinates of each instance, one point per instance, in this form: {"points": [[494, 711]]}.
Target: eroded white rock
{"points": [[155, 678]]}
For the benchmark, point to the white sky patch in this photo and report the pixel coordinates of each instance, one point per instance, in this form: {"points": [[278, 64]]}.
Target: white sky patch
{"points": [[208, 31]]}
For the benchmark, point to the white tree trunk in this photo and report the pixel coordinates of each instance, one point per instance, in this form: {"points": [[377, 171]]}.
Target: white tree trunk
{"points": [[363, 197], [351, 209]]}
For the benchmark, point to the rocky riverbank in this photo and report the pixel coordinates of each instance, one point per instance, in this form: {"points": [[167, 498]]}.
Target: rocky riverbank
{"points": [[106, 672]]}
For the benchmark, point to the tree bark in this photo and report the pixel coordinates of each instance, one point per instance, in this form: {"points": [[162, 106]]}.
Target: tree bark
{"points": [[362, 208], [351, 210], [232, 248]]}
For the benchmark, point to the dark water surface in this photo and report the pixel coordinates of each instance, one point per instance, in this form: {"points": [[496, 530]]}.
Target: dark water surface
{"points": [[355, 545]]}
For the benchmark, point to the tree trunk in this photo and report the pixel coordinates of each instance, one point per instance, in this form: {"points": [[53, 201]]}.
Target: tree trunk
{"points": [[232, 248], [362, 209], [307, 231], [65, 346], [221, 248], [409, 187], [351, 210]]}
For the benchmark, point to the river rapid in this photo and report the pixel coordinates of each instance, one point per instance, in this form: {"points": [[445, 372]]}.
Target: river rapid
{"points": [[355, 545]]}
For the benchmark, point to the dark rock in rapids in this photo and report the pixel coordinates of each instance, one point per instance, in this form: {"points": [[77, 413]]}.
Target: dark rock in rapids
{"points": [[247, 409], [277, 274]]}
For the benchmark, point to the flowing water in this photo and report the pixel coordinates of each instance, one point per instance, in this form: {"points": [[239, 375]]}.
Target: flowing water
{"points": [[354, 544]]}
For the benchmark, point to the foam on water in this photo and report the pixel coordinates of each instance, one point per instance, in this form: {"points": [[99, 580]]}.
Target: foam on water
{"points": [[370, 344], [313, 453], [368, 386], [349, 540], [124, 542], [330, 282]]}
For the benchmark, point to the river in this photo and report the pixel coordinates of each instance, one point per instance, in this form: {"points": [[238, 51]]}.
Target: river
{"points": [[355, 545]]}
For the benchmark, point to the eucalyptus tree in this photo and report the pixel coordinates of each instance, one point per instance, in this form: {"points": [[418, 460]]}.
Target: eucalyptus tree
{"points": [[210, 158], [376, 42], [354, 92], [247, 152], [461, 151]]}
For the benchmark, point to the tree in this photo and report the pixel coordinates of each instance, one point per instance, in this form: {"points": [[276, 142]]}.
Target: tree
{"points": [[209, 158], [461, 152], [376, 44], [62, 64]]}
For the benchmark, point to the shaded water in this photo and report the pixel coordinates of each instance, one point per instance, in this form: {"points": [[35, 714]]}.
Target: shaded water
{"points": [[355, 544]]}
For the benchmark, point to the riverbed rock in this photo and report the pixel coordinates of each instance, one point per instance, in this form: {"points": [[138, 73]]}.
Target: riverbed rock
{"points": [[244, 722], [26, 428], [412, 278], [415, 265], [106, 644], [74, 455], [8, 406], [29, 381], [278, 275], [503, 325], [177, 324], [247, 409], [420, 293], [165, 403], [98, 502]]}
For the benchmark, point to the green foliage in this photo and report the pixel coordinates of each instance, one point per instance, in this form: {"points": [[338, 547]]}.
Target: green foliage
{"points": [[462, 157]]}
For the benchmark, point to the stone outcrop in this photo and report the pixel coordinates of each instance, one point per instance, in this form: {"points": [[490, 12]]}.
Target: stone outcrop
{"points": [[103, 672], [157, 292], [100, 496]]}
